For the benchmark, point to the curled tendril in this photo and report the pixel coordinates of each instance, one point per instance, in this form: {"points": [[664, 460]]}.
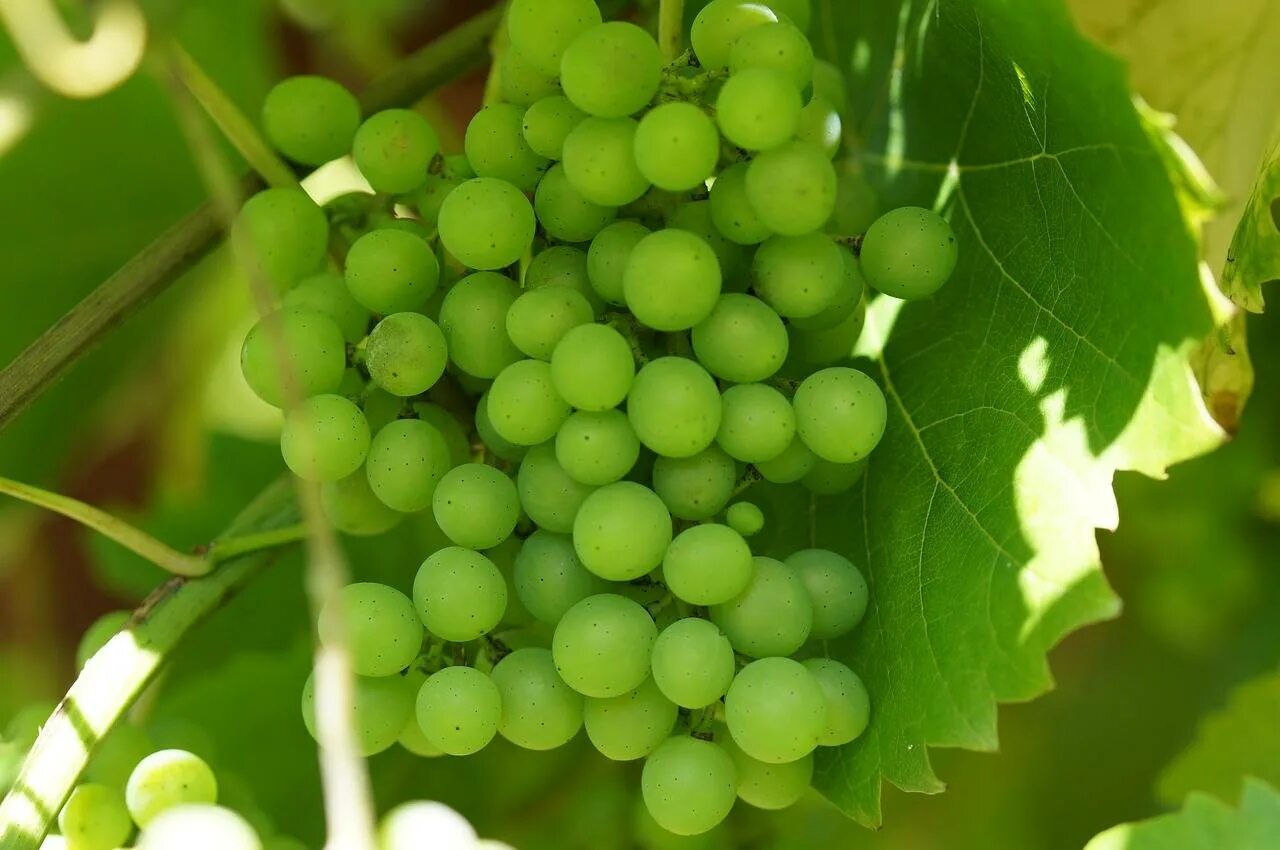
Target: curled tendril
{"points": [[70, 66]]}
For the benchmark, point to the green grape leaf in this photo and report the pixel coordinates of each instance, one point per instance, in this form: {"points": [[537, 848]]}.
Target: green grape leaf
{"points": [[1204, 823], [1240, 741], [1056, 356], [1254, 257]]}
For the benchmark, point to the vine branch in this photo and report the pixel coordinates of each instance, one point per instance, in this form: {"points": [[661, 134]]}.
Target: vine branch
{"points": [[671, 28]]}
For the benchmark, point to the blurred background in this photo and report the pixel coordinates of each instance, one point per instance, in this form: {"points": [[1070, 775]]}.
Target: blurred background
{"points": [[136, 429]]}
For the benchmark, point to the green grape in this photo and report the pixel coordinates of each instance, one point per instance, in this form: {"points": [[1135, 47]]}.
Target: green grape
{"points": [[795, 462], [696, 487], [460, 594], [836, 588], [677, 146], [550, 579], [407, 458], [99, 632], [165, 779], [390, 271], [848, 705], [693, 662], [496, 147], [758, 109], [539, 319], [847, 301], [607, 258], [520, 82], [476, 505], [197, 826], [599, 161], [796, 11], [327, 293], [593, 368], [776, 710], [564, 212], [829, 479], [413, 739], [473, 317], [539, 711], [450, 429], [597, 448], [621, 531], [792, 188], [672, 280], [309, 119], [779, 47], [504, 558], [407, 826], [799, 276], [543, 29], [840, 414], [689, 785], [707, 564], [745, 518], [428, 200], [324, 438], [731, 212], [769, 786], [674, 406], [381, 707], [293, 350], [830, 346], [602, 645], [720, 24], [820, 125], [116, 756], [857, 203], [381, 625], [281, 235], [562, 265], [909, 253], [549, 495], [611, 70], [393, 150], [405, 354], [95, 818], [757, 423], [524, 407], [381, 408], [459, 709], [494, 443], [353, 508], [695, 217], [742, 340], [548, 122], [631, 725], [772, 616], [829, 81], [486, 223]]}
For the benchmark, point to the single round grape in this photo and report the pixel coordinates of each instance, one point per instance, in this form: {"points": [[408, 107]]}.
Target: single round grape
{"points": [[769, 786], [758, 109], [757, 423], [795, 462], [524, 407], [829, 479], [548, 122], [792, 188], [742, 340], [674, 406], [593, 368], [486, 223], [460, 594], [720, 24], [428, 200], [407, 825], [848, 299], [693, 662], [165, 779], [562, 265], [622, 531], [565, 213], [293, 349], [353, 508], [829, 346], [281, 235], [539, 318], [382, 627], [836, 588], [695, 217], [390, 271], [631, 725], [549, 578], [99, 632], [543, 29], [772, 616], [820, 125], [324, 438], [799, 276], [840, 414], [476, 505], [707, 564], [672, 280], [381, 707], [597, 448], [405, 354], [689, 785], [406, 460], [393, 150], [199, 826], [602, 645], [95, 817], [494, 443], [696, 487], [776, 710], [539, 711], [310, 119], [381, 408], [327, 293], [779, 47], [459, 709], [731, 212], [413, 739], [496, 147], [745, 518], [611, 70], [796, 11], [520, 81], [549, 495], [607, 258], [677, 146], [909, 253], [848, 705], [599, 161], [473, 317]]}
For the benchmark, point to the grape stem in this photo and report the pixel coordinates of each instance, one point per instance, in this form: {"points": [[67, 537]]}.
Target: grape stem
{"points": [[670, 28], [748, 479]]}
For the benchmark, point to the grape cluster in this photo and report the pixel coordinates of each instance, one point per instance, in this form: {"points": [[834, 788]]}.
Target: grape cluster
{"points": [[573, 346]]}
